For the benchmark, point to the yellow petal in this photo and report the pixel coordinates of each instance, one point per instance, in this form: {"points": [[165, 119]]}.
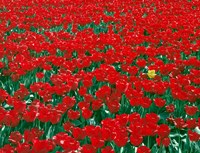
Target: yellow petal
{"points": [[151, 73]]}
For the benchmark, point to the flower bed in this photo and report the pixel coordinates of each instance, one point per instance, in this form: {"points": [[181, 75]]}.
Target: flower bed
{"points": [[99, 76]]}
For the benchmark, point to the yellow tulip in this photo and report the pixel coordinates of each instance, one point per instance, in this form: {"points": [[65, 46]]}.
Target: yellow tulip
{"points": [[151, 73]]}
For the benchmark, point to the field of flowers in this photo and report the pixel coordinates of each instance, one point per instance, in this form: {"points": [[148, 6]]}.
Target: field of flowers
{"points": [[99, 76]]}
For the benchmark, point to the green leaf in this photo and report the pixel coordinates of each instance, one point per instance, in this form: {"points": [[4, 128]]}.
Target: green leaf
{"points": [[76, 122]]}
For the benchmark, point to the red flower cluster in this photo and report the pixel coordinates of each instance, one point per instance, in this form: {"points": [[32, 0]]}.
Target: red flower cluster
{"points": [[98, 76]]}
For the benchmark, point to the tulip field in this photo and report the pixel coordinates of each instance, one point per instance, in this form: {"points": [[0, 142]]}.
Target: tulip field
{"points": [[99, 76]]}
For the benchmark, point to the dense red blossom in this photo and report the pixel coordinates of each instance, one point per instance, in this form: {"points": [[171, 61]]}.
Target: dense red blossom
{"points": [[99, 76]]}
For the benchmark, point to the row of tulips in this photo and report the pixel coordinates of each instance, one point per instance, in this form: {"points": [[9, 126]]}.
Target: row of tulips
{"points": [[99, 76]]}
